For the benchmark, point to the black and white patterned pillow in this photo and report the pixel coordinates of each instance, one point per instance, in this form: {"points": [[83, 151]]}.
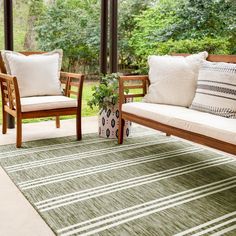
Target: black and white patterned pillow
{"points": [[216, 89]]}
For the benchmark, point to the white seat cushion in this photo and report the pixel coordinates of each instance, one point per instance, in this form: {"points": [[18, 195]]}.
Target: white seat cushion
{"points": [[217, 127], [46, 103]]}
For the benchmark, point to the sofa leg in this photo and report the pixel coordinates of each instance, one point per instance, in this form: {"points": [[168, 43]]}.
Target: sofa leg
{"points": [[121, 131], [168, 135], [4, 122], [78, 127], [18, 132], [58, 125]]}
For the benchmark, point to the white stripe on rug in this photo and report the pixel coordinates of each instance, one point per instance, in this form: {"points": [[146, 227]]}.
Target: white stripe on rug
{"points": [[51, 147], [68, 199], [215, 227], [101, 168], [233, 178], [136, 178], [206, 224], [80, 156], [123, 216], [224, 231]]}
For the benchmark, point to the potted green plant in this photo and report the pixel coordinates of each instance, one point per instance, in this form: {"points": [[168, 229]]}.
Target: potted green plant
{"points": [[106, 97]]}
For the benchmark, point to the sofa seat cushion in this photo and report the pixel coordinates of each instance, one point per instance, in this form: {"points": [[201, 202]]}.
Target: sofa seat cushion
{"points": [[46, 103], [214, 126]]}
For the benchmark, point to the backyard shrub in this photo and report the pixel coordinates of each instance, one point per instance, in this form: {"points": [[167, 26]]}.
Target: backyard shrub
{"points": [[211, 45]]}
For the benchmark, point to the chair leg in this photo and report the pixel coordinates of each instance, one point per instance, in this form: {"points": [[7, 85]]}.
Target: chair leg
{"points": [[4, 122], [78, 127], [121, 130], [58, 125], [18, 132]]}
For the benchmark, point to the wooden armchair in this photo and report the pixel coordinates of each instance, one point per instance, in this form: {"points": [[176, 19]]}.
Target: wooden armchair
{"points": [[38, 107]]}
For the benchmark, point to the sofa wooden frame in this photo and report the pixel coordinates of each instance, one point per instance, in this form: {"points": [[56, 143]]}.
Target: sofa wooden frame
{"points": [[11, 103], [142, 83]]}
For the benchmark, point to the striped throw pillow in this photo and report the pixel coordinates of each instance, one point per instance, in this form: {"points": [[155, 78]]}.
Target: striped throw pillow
{"points": [[216, 89]]}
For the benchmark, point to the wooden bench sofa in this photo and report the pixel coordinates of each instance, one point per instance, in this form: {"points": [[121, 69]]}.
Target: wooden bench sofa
{"points": [[149, 115]]}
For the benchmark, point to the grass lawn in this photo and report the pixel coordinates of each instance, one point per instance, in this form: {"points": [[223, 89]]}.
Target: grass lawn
{"points": [[86, 110]]}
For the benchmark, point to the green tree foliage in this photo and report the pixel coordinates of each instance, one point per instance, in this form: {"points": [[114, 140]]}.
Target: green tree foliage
{"points": [[200, 19], [73, 26], [185, 26], [128, 11], [145, 27]]}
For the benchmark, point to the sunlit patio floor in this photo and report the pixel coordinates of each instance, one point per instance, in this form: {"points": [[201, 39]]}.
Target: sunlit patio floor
{"points": [[47, 129], [17, 216]]}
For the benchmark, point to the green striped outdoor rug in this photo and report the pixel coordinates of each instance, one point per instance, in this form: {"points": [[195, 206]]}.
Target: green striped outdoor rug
{"points": [[150, 185]]}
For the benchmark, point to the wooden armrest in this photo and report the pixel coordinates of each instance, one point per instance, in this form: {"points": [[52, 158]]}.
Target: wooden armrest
{"points": [[6, 77], [137, 82], [10, 92]]}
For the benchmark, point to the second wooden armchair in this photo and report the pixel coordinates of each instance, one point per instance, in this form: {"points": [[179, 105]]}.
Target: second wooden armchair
{"points": [[40, 106]]}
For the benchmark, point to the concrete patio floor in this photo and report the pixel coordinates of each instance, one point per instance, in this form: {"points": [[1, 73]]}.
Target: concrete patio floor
{"points": [[17, 216]]}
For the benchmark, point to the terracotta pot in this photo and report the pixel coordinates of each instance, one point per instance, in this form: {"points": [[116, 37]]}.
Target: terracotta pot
{"points": [[109, 123]]}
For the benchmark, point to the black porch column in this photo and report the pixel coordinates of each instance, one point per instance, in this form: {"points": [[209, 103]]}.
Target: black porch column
{"points": [[113, 36], [104, 36], [8, 29]]}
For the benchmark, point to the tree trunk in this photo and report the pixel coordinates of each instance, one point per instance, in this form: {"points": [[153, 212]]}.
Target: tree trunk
{"points": [[30, 43], [35, 11]]}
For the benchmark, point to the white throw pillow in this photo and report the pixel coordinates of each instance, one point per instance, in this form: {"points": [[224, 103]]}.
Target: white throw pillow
{"points": [[173, 79], [38, 74]]}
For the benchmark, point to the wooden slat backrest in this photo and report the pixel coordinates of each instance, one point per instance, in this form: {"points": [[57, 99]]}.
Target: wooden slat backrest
{"points": [[222, 58], [71, 80], [31, 53], [129, 83]]}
